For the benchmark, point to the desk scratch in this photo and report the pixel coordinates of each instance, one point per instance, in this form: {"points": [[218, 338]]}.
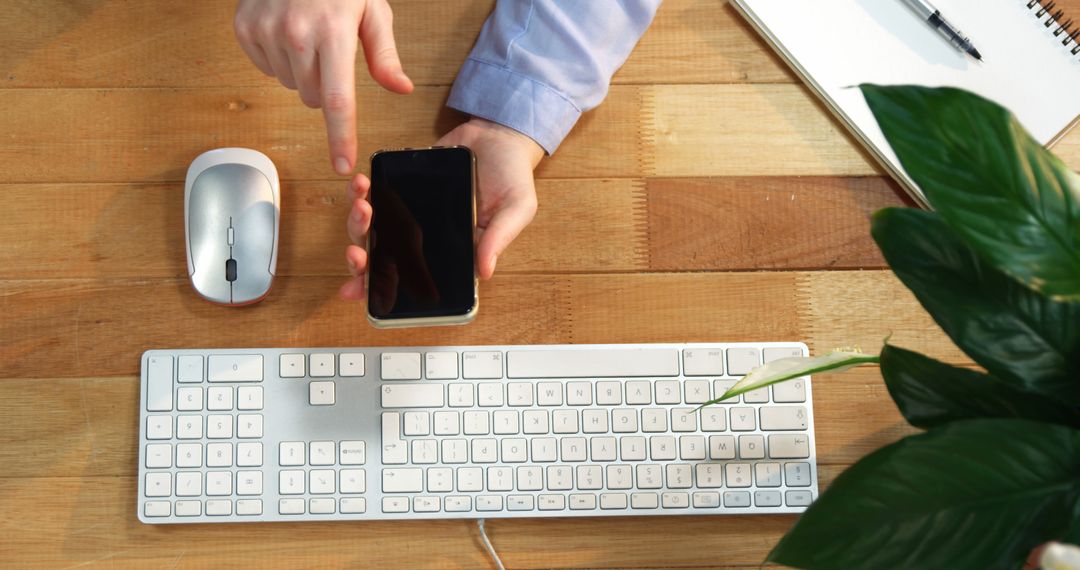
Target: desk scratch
{"points": [[176, 562], [110, 556]]}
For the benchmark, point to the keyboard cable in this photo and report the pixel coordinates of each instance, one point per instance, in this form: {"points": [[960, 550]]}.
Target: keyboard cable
{"points": [[487, 545]]}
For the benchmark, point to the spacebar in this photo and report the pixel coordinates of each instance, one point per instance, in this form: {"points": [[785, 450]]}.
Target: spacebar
{"points": [[590, 363]]}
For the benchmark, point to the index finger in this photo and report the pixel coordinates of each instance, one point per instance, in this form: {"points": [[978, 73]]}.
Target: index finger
{"points": [[337, 68]]}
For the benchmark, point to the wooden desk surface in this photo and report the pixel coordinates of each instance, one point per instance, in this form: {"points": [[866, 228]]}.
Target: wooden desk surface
{"points": [[709, 198]]}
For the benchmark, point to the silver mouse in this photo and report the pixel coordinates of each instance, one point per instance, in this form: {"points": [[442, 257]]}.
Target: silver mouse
{"points": [[232, 212]]}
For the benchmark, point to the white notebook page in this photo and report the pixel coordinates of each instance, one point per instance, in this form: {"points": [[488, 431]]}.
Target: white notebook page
{"points": [[839, 43]]}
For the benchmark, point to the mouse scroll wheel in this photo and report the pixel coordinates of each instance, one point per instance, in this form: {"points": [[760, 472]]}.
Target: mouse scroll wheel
{"points": [[230, 270]]}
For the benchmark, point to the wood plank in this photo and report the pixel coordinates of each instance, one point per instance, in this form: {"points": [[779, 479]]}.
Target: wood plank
{"points": [[66, 328], [582, 225], [860, 309], [91, 425], [765, 223], [99, 528], [152, 135], [107, 44]]}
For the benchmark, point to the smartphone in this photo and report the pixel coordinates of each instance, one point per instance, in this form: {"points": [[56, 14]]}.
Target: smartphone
{"points": [[421, 247]]}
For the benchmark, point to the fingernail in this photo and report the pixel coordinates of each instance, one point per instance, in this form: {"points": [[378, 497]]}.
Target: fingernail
{"points": [[341, 165], [352, 266], [494, 259]]}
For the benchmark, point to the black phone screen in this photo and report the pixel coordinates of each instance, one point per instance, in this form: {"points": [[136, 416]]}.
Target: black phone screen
{"points": [[421, 247]]}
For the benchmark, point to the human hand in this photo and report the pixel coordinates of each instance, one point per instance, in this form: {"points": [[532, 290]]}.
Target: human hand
{"points": [[310, 46], [506, 197]]}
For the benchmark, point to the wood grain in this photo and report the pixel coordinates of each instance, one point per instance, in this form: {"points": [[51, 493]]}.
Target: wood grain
{"points": [[145, 43]]}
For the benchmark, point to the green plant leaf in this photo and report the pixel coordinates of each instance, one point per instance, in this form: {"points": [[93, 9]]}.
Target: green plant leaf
{"points": [[1010, 199], [972, 494], [784, 369], [1013, 332], [931, 393]]}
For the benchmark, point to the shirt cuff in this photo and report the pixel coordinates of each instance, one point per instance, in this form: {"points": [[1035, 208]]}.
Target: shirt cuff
{"points": [[513, 100]]}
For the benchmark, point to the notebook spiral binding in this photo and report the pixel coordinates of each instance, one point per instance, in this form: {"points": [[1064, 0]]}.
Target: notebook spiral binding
{"points": [[1053, 19]]}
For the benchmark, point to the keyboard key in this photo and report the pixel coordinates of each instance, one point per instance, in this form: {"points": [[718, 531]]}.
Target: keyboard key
{"points": [[530, 478], [426, 504], [249, 454], [219, 483], [720, 387], [662, 448], [291, 506], [249, 398], [400, 366], [783, 418], [593, 421], [158, 485], [478, 365], [485, 450], [476, 423], [564, 421], [738, 475], [638, 392], [352, 453], [798, 498], [691, 447], [321, 453], [189, 484], [602, 449], [219, 427], [395, 504], [578, 393], [573, 449], [737, 499], [706, 500], [470, 479], [592, 363], [675, 500], [608, 393], [758, 396], [654, 420], [582, 502], [612, 501], [505, 422], [220, 398], [678, 476], [441, 365], [489, 394], [249, 482], [703, 362], [458, 504], [291, 366], [514, 450], [797, 474], [249, 507], [790, 391], [619, 477], [413, 396], [189, 368], [188, 508], [590, 477], [291, 482], [667, 392], [351, 364], [741, 361], [353, 505], [751, 447], [644, 501], [189, 427], [440, 479], [235, 368], [447, 423], [771, 354], [321, 365], [291, 453], [743, 419], [189, 399], [696, 391], [425, 451], [249, 426], [394, 450], [551, 502], [158, 456], [624, 420], [683, 419], [460, 395], [519, 394], [189, 454], [159, 427], [708, 475], [408, 480], [157, 508], [544, 449], [353, 481], [721, 447], [519, 503], [549, 393], [767, 498], [219, 455], [321, 393], [455, 451], [219, 507], [489, 503], [560, 478], [159, 383], [767, 474], [713, 419], [649, 477], [322, 481]]}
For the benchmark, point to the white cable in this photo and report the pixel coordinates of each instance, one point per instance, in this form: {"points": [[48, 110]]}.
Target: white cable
{"points": [[488, 546]]}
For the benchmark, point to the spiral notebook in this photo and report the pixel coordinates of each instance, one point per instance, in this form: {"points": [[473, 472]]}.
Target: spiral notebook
{"points": [[1031, 58]]}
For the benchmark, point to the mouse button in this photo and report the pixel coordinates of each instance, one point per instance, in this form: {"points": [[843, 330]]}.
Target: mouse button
{"points": [[230, 270]]}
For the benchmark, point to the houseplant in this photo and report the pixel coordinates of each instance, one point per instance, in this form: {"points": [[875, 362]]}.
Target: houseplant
{"points": [[996, 473]]}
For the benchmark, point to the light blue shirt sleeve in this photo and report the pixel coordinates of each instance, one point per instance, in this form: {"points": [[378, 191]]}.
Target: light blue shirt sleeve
{"points": [[539, 64]]}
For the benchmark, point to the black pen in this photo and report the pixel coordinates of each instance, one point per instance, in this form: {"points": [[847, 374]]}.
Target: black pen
{"points": [[933, 17]]}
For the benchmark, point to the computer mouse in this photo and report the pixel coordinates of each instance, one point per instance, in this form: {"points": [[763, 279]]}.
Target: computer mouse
{"points": [[232, 212]]}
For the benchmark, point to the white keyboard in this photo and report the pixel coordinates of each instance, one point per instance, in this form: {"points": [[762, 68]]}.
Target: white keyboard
{"points": [[469, 432]]}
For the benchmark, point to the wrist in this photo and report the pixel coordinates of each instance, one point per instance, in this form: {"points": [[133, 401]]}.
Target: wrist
{"points": [[531, 148]]}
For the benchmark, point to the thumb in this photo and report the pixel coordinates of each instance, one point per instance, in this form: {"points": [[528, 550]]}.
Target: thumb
{"points": [[380, 51], [503, 228]]}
